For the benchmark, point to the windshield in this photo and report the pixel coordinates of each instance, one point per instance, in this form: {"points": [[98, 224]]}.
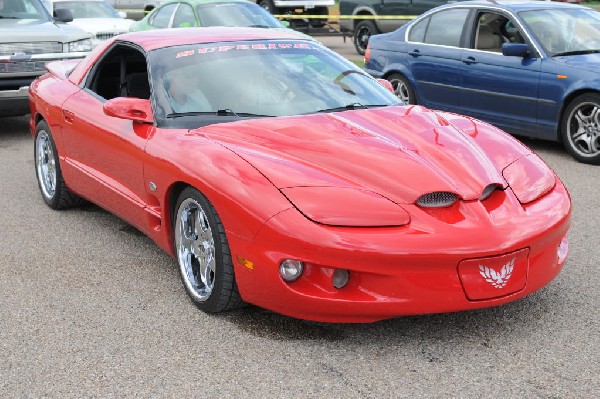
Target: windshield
{"points": [[236, 14], [252, 79], [565, 31], [23, 9], [88, 9]]}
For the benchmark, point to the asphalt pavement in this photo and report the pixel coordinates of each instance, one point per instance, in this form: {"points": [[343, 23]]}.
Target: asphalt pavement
{"points": [[90, 307]]}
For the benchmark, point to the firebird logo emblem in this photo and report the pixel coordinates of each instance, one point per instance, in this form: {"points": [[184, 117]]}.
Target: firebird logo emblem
{"points": [[497, 280]]}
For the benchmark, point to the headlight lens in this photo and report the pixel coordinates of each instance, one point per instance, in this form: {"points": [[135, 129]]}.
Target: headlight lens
{"points": [[79, 45], [529, 178], [349, 207]]}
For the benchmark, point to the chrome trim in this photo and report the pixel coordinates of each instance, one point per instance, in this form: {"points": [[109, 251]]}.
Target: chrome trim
{"points": [[21, 92], [540, 53], [43, 57], [492, 93]]}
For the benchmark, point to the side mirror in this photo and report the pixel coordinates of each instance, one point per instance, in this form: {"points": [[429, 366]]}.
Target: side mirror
{"points": [[122, 14], [515, 49], [63, 15], [387, 85], [133, 109]]}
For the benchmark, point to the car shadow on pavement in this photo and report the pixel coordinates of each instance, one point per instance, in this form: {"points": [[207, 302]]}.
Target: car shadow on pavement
{"points": [[521, 317]]}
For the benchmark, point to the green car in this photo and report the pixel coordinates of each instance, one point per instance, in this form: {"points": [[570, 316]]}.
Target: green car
{"points": [[189, 13]]}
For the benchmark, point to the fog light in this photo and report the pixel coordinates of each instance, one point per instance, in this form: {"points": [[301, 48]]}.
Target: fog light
{"points": [[340, 278], [291, 270], [563, 250]]}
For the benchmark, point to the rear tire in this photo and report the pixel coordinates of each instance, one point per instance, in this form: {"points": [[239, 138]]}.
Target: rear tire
{"points": [[580, 128], [402, 88], [49, 175], [203, 254], [362, 32], [267, 5]]}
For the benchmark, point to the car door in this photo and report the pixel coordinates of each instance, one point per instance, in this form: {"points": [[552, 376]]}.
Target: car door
{"points": [[434, 48], [105, 155], [499, 89]]}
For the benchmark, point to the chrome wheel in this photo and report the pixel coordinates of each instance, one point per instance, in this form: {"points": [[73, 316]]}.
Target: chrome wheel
{"points": [[401, 90], [45, 164], [195, 246], [583, 129]]}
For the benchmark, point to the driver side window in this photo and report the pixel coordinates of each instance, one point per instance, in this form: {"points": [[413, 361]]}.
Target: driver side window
{"points": [[122, 72]]}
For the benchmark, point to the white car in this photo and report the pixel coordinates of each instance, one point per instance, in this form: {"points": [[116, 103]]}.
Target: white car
{"points": [[97, 17]]}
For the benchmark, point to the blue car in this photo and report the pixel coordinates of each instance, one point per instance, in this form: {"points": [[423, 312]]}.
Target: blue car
{"points": [[531, 68]]}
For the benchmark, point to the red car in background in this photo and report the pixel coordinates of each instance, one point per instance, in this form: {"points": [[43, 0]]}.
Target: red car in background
{"points": [[279, 174]]}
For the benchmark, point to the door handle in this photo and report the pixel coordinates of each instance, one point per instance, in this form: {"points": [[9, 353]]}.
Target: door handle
{"points": [[469, 60], [414, 53], [69, 116]]}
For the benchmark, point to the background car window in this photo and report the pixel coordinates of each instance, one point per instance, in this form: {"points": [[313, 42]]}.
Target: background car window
{"points": [[88, 9], [446, 27], [184, 17], [236, 14], [417, 32], [163, 16], [22, 9], [491, 32]]}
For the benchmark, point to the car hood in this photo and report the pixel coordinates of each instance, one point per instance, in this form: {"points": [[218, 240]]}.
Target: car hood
{"points": [[36, 31], [588, 62], [400, 153], [95, 25]]}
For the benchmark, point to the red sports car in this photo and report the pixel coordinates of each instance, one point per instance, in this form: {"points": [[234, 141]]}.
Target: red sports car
{"points": [[279, 174]]}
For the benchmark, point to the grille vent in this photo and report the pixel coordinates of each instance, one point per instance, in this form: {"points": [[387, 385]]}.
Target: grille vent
{"points": [[488, 190], [438, 199]]}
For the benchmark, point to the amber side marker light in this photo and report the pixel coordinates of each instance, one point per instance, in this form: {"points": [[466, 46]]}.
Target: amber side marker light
{"points": [[561, 76], [245, 262]]}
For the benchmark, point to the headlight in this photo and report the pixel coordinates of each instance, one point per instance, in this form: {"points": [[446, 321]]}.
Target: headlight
{"points": [[79, 45], [529, 178], [338, 206]]}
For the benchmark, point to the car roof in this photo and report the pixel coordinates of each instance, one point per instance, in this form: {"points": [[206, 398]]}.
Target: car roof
{"points": [[517, 5], [159, 38]]}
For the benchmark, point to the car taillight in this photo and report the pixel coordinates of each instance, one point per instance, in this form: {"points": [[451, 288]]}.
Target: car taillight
{"points": [[368, 53]]}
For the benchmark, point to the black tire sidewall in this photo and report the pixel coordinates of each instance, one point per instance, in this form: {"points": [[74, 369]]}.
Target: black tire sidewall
{"points": [[269, 4], [370, 25], [564, 135], [212, 303]]}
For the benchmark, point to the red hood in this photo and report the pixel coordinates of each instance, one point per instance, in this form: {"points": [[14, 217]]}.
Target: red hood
{"points": [[398, 152]]}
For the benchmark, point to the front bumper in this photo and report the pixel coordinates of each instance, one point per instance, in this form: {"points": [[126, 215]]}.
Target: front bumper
{"points": [[405, 270], [16, 74]]}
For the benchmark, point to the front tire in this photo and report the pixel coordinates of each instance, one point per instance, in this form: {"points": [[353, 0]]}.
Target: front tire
{"points": [[49, 176], [580, 128], [362, 32], [203, 254], [402, 88]]}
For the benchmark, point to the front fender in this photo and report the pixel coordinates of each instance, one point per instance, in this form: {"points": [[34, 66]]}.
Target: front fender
{"points": [[243, 197]]}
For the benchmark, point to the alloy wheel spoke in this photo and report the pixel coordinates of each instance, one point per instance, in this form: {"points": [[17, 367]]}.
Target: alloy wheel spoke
{"points": [[595, 145], [582, 119], [585, 143]]}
